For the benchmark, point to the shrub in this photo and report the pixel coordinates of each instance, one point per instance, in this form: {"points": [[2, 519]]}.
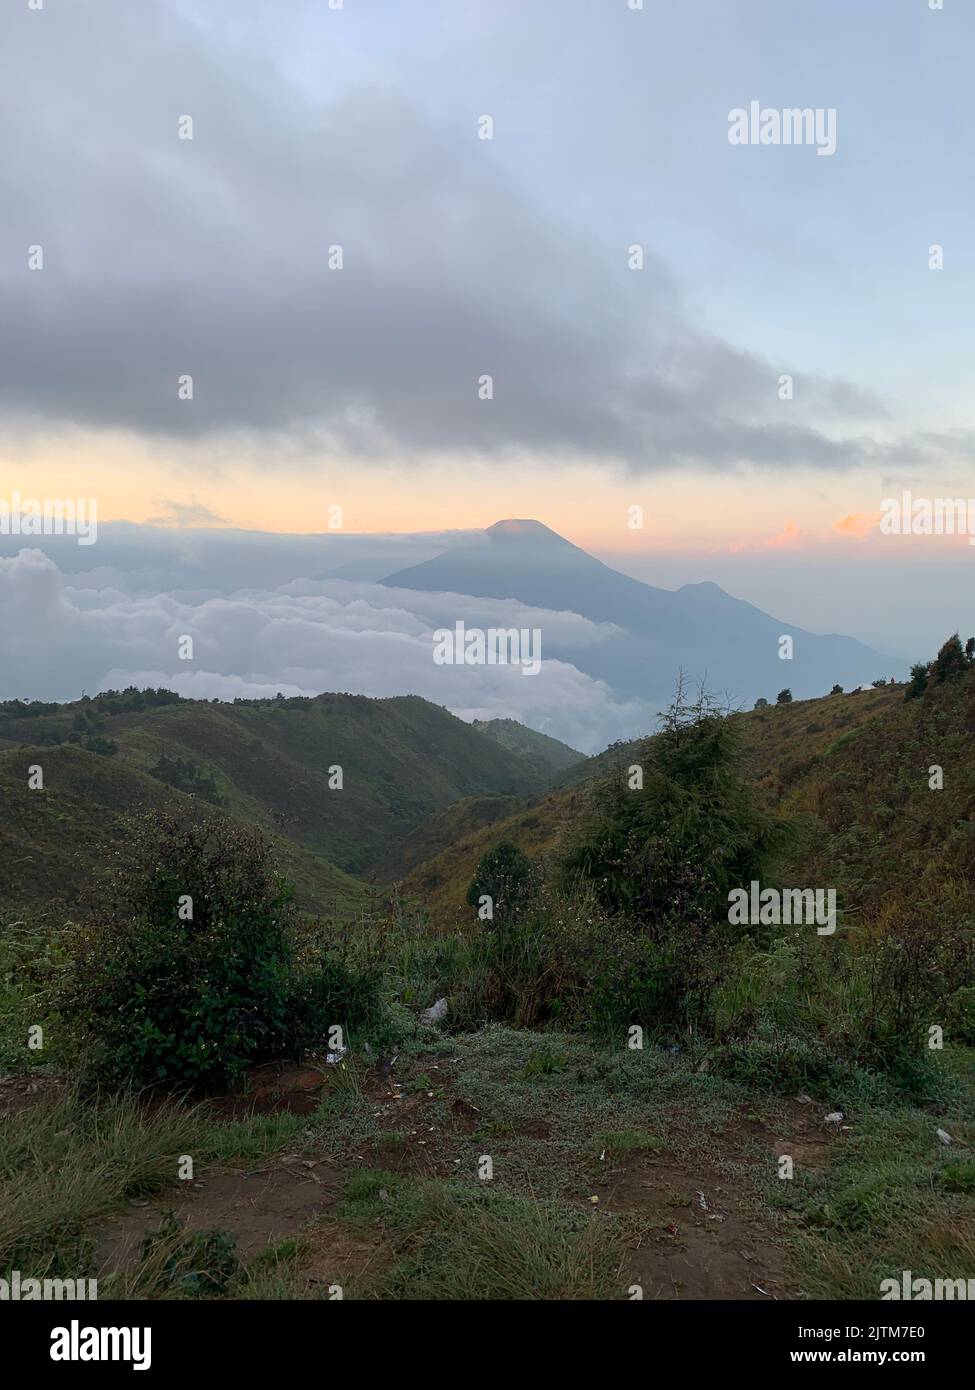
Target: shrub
{"points": [[328, 992], [960, 1014], [182, 967], [96, 744], [172, 997], [505, 876], [662, 858]]}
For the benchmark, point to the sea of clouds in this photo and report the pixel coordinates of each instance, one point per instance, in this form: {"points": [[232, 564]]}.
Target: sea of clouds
{"points": [[65, 633]]}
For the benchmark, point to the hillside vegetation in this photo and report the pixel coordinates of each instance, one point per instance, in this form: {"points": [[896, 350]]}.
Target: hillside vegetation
{"points": [[546, 753], [272, 764], [787, 748], [668, 1095]]}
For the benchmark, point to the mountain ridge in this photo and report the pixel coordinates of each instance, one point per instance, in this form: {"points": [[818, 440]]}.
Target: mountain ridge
{"points": [[699, 628]]}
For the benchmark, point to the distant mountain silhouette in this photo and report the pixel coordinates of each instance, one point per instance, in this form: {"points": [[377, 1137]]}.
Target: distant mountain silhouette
{"points": [[698, 627]]}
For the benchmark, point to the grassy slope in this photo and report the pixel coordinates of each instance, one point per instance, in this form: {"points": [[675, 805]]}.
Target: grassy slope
{"points": [[877, 829], [546, 758], [50, 839], [403, 760], [548, 754], [447, 827], [784, 742]]}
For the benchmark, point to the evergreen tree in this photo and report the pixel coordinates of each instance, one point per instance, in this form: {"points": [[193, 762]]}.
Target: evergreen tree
{"points": [[919, 680], [951, 661]]}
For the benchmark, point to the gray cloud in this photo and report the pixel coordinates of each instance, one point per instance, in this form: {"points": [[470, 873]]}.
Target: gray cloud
{"points": [[209, 257]]}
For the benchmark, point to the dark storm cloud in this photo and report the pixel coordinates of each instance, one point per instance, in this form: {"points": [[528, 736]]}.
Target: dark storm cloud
{"points": [[209, 257]]}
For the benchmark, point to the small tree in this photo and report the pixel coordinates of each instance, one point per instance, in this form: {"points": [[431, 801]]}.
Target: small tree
{"points": [[951, 662], [784, 697], [662, 858], [761, 702], [505, 876], [918, 683], [837, 690]]}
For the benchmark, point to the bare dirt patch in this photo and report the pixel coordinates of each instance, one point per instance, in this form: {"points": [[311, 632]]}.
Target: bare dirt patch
{"points": [[17, 1092], [258, 1208], [700, 1238]]}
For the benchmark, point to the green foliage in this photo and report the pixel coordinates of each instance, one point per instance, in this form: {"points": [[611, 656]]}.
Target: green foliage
{"points": [[184, 774], [325, 992], [959, 1177], [960, 1014], [96, 744], [951, 663], [662, 858], [195, 1001], [165, 997], [544, 1064], [671, 851], [784, 697], [918, 683], [504, 875], [33, 962], [780, 1062]]}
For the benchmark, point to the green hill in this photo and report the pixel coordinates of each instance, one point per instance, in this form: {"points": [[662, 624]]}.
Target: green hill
{"points": [[449, 827], [547, 754], [275, 764], [790, 747], [52, 840]]}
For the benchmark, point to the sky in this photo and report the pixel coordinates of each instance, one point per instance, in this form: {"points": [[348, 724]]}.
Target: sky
{"points": [[358, 128]]}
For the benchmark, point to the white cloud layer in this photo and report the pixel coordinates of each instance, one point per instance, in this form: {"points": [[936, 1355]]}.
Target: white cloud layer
{"points": [[302, 638]]}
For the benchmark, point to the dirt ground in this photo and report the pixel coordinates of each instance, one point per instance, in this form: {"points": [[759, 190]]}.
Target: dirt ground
{"points": [[699, 1234]]}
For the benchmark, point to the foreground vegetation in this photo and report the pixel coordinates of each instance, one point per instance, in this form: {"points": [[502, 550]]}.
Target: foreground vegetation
{"points": [[632, 1064]]}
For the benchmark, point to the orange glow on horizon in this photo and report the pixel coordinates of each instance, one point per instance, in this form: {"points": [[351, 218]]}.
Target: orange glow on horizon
{"points": [[589, 504]]}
